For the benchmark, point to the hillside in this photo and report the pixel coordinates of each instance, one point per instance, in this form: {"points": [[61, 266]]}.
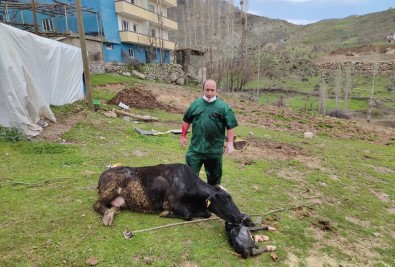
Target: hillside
{"points": [[351, 31], [277, 49]]}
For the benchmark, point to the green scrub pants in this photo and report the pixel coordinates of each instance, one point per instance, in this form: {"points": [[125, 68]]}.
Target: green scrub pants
{"points": [[212, 166]]}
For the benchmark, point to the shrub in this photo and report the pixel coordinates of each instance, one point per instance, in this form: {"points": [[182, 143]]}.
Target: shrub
{"points": [[11, 135], [341, 114]]}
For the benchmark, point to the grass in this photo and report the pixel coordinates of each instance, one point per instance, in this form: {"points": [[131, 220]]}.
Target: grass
{"points": [[47, 190], [106, 78]]}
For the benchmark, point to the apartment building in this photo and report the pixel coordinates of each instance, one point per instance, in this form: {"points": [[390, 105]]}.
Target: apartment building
{"points": [[128, 30]]}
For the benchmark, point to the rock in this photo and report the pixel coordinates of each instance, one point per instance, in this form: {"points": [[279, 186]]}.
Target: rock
{"points": [[138, 74], [180, 81]]}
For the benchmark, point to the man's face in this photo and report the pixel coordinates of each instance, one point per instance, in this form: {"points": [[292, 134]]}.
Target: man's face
{"points": [[210, 89]]}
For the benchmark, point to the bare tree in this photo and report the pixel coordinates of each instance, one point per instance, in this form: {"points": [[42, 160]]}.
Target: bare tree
{"points": [[323, 98], [337, 85], [160, 22], [347, 88], [391, 86], [375, 70]]}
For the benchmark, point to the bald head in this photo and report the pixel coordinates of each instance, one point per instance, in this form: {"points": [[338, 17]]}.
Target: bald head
{"points": [[210, 88]]}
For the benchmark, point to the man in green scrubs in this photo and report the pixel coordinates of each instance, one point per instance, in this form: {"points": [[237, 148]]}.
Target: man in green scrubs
{"points": [[210, 117]]}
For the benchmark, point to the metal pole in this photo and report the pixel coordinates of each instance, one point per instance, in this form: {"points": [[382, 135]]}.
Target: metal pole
{"points": [[84, 55]]}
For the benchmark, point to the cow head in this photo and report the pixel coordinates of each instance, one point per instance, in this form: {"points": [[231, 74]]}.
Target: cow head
{"points": [[221, 204]]}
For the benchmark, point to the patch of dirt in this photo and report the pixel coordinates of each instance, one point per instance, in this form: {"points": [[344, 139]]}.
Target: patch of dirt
{"points": [[361, 53], [141, 99], [351, 250], [54, 131], [358, 221], [265, 149], [382, 196]]}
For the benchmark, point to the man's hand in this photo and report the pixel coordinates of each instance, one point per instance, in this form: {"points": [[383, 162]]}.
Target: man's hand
{"points": [[229, 148]]}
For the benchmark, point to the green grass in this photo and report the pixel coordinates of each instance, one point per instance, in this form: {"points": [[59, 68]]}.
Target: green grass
{"points": [[106, 78], [47, 190]]}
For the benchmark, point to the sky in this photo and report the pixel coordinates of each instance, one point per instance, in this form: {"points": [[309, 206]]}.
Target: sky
{"points": [[303, 12]]}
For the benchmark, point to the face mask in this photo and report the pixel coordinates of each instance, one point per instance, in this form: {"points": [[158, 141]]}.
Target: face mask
{"points": [[211, 99]]}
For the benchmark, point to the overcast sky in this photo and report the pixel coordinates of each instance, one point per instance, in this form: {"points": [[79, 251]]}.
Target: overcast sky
{"points": [[310, 11]]}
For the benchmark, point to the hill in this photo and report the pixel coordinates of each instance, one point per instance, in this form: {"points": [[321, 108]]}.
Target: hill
{"points": [[282, 49]]}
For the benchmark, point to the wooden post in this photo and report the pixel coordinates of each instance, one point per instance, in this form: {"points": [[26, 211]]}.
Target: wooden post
{"points": [[84, 53], [34, 17]]}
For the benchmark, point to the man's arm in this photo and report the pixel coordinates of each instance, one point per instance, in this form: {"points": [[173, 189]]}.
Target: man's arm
{"points": [[184, 131], [229, 145]]}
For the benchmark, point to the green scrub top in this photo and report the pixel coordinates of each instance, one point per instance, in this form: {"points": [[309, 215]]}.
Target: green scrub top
{"points": [[209, 121]]}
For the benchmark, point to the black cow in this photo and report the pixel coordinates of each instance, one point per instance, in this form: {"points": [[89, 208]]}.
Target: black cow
{"points": [[172, 189]]}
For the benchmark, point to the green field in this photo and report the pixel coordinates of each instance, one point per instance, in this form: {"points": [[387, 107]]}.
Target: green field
{"points": [[331, 200]]}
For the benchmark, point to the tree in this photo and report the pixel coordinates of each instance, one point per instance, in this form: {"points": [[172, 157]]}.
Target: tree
{"points": [[375, 70], [337, 85], [391, 87], [347, 88], [323, 98]]}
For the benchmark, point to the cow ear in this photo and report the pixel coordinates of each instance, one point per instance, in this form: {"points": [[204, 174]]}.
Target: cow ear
{"points": [[217, 187]]}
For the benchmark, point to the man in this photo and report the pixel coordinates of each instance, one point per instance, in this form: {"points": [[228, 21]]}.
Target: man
{"points": [[210, 117]]}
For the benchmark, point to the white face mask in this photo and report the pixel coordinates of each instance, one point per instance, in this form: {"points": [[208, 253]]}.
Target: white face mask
{"points": [[210, 99]]}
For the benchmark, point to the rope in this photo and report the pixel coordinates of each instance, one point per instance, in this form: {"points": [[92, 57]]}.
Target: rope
{"points": [[175, 224], [215, 218]]}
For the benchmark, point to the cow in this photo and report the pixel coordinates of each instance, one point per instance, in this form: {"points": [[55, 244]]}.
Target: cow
{"points": [[172, 190]]}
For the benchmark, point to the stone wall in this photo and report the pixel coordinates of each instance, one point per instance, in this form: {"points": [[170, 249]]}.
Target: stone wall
{"points": [[385, 68], [168, 73], [96, 66]]}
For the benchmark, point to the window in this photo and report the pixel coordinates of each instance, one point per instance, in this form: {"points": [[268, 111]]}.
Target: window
{"points": [[130, 1], [131, 52], [47, 25], [109, 46], [155, 56], [135, 27], [125, 25], [151, 8], [153, 32]]}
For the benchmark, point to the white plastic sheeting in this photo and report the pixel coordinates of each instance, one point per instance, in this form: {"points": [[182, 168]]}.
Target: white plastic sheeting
{"points": [[35, 72]]}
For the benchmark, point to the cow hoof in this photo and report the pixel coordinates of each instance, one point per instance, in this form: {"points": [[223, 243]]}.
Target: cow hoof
{"points": [[261, 238], [271, 248], [164, 213], [108, 217]]}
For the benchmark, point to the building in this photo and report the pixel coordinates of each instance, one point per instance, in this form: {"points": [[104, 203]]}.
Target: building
{"points": [[126, 30], [391, 38]]}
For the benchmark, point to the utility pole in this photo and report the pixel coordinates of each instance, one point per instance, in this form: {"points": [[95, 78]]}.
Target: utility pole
{"points": [[84, 53], [34, 17]]}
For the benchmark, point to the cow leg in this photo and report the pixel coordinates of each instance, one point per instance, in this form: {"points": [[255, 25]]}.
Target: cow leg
{"points": [[258, 251], [180, 212], [109, 215], [202, 214], [257, 228], [100, 207]]}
